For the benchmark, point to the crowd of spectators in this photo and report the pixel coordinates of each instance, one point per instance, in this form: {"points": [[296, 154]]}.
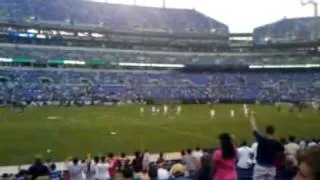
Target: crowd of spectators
{"points": [[50, 85], [270, 159]]}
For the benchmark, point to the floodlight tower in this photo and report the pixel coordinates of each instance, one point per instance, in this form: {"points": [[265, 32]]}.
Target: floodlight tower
{"points": [[314, 3]]}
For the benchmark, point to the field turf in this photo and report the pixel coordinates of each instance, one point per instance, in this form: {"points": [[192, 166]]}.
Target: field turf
{"points": [[80, 130]]}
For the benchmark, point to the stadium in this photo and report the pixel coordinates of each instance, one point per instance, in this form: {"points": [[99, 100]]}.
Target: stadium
{"points": [[81, 78]]}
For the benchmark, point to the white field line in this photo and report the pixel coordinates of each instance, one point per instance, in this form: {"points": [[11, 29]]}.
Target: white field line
{"points": [[175, 131]]}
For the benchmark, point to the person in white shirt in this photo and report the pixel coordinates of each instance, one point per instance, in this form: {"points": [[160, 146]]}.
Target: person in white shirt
{"points": [[162, 173], [291, 149], [90, 167], [245, 160], [198, 153], [146, 160], [302, 144], [254, 148], [101, 170], [75, 169], [312, 143]]}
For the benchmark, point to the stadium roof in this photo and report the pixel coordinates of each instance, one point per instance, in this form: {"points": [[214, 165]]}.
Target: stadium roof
{"points": [[289, 20]]}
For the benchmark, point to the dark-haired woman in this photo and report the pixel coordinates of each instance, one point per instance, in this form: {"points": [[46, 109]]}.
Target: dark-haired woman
{"points": [[224, 159], [204, 173]]}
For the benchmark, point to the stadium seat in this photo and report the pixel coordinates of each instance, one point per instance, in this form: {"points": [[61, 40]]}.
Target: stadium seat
{"points": [[72, 84]]}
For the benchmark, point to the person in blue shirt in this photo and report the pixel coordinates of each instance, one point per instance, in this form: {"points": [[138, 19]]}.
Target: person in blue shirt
{"points": [[54, 174], [267, 151]]}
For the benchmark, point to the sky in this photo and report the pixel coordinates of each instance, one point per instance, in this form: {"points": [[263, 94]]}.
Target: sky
{"points": [[240, 15]]}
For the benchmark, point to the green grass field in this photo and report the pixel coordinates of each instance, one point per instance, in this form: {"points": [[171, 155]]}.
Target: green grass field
{"points": [[79, 130]]}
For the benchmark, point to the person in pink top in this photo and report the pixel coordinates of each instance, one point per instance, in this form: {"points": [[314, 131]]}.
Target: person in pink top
{"points": [[224, 159], [113, 166]]}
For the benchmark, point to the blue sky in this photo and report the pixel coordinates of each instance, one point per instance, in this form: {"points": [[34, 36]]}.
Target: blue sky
{"points": [[239, 15]]}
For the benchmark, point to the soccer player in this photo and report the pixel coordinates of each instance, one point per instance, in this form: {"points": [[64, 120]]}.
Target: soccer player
{"points": [[278, 106], [315, 105], [300, 107], [246, 110], [212, 113], [158, 110], [18, 106], [153, 110], [165, 109], [291, 107], [179, 109], [141, 111], [232, 113]]}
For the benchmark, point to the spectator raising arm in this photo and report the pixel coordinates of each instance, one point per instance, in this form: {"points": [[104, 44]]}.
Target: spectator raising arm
{"points": [[259, 137], [266, 151]]}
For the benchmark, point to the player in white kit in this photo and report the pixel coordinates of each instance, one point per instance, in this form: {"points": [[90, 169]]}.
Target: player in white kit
{"points": [[165, 109], [153, 110], [141, 111], [212, 113], [246, 110], [315, 105], [179, 109], [232, 113]]}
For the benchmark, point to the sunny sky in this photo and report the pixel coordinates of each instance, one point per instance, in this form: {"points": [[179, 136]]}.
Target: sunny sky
{"points": [[239, 15]]}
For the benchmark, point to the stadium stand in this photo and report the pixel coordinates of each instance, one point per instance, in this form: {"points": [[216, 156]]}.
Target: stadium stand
{"points": [[286, 31], [124, 17], [109, 56], [35, 75], [49, 84]]}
